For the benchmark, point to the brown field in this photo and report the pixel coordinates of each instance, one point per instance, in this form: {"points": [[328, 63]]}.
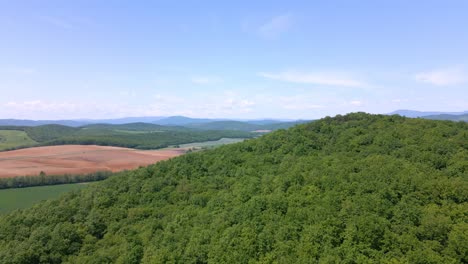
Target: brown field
{"points": [[78, 159]]}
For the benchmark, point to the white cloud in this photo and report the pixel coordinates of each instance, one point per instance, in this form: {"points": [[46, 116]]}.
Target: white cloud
{"points": [[38, 105], [206, 80], [356, 103], [443, 77], [298, 102], [276, 26], [321, 78], [39, 109], [127, 93], [399, 100], [301, 106]]}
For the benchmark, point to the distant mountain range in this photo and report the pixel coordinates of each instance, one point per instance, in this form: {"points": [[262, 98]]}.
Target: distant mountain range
{"points": [[452, 116], [25, 122], [158, 120], [413, 113], [462, 117], [216, 124]]}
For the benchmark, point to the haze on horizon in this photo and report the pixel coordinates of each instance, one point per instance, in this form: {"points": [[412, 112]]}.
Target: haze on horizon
{"points": [[213, 59]]}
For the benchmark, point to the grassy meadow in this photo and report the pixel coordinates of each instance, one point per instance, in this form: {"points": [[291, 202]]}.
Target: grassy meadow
{"points": [[11, 199], [14, 138]]}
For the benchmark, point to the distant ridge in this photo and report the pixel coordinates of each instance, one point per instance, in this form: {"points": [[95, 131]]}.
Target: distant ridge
{"points": [[414, 113], [462, 117], [199, 122], [25, 122], [182, 120], [158, 120]]}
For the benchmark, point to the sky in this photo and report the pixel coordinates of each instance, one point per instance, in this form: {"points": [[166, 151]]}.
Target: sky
{"points": [[231, 59]]}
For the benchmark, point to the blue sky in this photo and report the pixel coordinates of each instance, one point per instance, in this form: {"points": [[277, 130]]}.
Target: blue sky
{"points": [[242, 59]]}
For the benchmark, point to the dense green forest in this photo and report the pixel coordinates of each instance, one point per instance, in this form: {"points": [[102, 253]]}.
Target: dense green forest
{"points": [[135, 135], [357, 188]]}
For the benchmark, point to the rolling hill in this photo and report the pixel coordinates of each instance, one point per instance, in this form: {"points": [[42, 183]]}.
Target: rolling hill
{"points": [[463, 117], [243, 126], [413, 113], [25, 122], [158, 120], [357, 188], [134, 135]]}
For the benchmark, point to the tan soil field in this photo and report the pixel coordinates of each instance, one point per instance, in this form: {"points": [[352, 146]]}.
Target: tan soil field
{"points": [[78, 159]]}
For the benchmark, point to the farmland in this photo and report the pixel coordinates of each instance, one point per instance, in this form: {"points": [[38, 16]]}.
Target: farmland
{"points": [[14, 138], [77, 159], [12, 199]]}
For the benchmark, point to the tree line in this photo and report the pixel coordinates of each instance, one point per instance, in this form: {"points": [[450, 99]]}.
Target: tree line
{"points": [[43, 179]]}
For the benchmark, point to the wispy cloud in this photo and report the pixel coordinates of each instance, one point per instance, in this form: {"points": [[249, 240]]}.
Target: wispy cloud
{"points": [[18, 70], [276, 26], [443, 77], [356, 103], [321, 78], [399, 100], [206, 79], [39, 105], [66, 22], [297, 103], [56, 21]]}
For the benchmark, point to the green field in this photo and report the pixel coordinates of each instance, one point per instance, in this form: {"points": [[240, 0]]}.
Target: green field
{"points": [[210, 144], [14, 138], [12, 199]]}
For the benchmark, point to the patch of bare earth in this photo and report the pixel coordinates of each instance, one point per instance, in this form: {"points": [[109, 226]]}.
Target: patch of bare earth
{"points": [[78, 159]]}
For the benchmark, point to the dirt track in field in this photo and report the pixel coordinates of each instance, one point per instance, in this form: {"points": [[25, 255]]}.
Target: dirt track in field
{"points": [[78, 159]]}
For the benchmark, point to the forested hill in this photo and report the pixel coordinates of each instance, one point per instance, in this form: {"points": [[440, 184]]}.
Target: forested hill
{"points": [[133, 135], [351, 189]]}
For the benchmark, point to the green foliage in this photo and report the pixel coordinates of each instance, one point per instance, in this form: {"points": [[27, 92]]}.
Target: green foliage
{"points": [[43, 179], [242, 126], [135, 135], [150, 140], [14, 138], [351, 189], [49, 132]]}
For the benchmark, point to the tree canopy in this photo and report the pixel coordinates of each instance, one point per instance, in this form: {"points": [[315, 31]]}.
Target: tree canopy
{"points": [[357, 188]]}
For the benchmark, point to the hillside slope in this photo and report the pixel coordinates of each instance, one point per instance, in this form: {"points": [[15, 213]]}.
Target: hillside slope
{"points": [[133, 135], [351, 189], [243, 126]]}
